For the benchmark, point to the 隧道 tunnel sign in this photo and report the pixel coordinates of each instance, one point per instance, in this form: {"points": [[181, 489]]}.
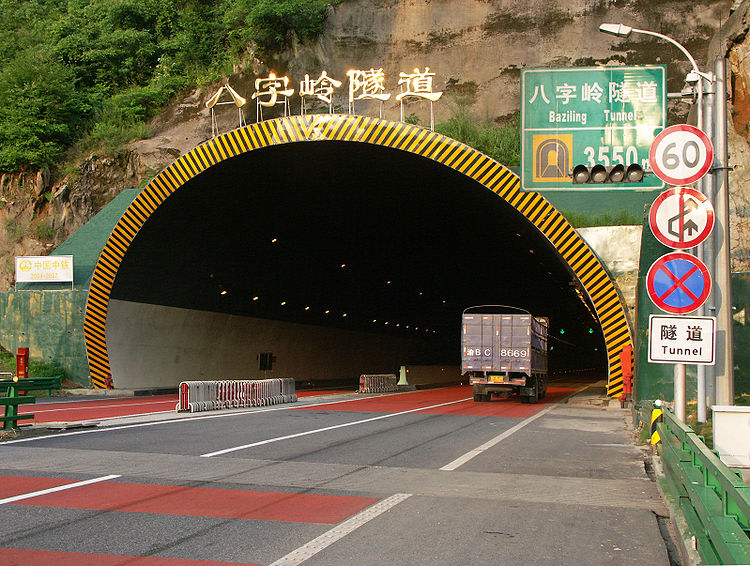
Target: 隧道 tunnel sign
{"points": [[589, 116]]}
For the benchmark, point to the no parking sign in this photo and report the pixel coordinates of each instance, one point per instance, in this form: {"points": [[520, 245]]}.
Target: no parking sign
{"points": [[678, 283]]}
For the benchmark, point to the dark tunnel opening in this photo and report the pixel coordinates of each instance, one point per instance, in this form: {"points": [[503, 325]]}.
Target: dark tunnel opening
{"points": [[355, 236]]}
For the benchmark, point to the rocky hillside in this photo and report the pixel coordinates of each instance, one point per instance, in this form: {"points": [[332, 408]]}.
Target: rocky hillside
{"points": [[475, 47]]}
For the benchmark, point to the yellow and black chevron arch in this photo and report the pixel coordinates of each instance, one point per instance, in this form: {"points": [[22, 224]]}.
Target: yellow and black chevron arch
{"points": [[571, 248]]}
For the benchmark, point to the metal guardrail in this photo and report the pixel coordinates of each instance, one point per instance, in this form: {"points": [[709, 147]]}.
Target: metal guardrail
{"points": [[33, 383], [10, 402], [381, 383], [713, 498], [225, 394]]}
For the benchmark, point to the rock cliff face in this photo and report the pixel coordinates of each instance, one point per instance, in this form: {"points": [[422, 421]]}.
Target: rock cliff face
{"points": [[475, 48], [734, 44]]}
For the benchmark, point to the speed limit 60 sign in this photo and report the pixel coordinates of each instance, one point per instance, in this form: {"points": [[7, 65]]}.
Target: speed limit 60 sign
{"points": [[681, 155]]}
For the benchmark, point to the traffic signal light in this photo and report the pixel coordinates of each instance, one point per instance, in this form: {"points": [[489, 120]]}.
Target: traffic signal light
{"points": [[600, 174]]}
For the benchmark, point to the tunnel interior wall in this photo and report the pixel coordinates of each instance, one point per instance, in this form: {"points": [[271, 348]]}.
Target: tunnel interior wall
{"points": [[153, 346]]}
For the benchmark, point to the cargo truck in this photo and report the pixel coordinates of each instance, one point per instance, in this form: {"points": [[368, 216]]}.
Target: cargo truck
{"points": [[504, 353]]}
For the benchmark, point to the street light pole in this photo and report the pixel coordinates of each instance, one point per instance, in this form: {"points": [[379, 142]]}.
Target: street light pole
{"points": [[717, 190]]}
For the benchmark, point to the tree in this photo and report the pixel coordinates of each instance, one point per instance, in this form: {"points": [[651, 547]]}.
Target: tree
{"points": [[41, 112]]}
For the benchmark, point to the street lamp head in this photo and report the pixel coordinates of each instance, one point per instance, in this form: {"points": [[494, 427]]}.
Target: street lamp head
{"points": [[616, 29]]}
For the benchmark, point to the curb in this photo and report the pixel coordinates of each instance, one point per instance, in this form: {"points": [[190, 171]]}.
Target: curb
{"points": [[684, 541]]}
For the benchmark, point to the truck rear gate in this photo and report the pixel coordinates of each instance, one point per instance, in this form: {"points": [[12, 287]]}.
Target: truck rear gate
{"points": [[504, 353]]}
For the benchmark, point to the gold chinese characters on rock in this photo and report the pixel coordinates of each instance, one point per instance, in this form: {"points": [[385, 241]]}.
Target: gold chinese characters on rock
{"points": [[363, 85]]}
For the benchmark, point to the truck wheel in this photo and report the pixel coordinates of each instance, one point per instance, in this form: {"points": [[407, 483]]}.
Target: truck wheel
{"points": [[534, 397], [477, 398]]}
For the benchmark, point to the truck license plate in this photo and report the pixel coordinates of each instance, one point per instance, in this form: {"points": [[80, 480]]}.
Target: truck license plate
{"points": [[497, 378]]}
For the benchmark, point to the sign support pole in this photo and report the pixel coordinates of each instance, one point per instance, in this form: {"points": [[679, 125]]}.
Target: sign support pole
{"points": [[723, 296], [703, 251], [680, 407]]}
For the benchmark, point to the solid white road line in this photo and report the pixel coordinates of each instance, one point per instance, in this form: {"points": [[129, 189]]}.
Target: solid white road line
{"points": [[338, 532], [327, 428], [54, 489], [112, 406], [176, 419], [461, 460]]}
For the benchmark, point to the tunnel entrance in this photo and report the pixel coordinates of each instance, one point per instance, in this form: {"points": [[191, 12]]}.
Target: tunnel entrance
{"points": [[358, 237]]}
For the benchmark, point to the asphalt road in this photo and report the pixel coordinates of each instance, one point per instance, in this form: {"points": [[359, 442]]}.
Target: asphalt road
{"points": [[424, 478]]}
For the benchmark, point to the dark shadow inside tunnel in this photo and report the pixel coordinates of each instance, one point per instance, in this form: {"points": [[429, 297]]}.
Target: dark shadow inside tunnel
{"points": [[354, 237]]}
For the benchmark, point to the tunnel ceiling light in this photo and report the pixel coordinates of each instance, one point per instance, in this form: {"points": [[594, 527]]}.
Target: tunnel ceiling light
{"points": [[374, 319], [343, 265], [283, 303], [223, 292], [386, 322], [328, 311], [256, 297], [388, 282], [344, 315], [274, 240], [307, 308]]}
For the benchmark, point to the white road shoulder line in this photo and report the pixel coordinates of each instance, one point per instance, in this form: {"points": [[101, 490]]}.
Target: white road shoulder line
{"points": [[177, 419], [338, 532], [327, 428], [55, 489], [461, 460]]}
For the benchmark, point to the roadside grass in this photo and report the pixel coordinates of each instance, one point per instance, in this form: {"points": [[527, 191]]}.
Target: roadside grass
{"points": [[37, 368]]}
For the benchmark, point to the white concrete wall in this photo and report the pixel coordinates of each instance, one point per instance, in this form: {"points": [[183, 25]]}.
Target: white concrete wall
{"points": [[154, 346], [619, 248]]}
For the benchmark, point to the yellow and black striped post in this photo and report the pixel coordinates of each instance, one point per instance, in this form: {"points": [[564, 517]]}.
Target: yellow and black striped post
{"points": [[657, 416]]}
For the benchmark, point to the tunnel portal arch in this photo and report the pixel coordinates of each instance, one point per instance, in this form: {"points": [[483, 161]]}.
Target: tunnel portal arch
{"points": [[568, 245]]}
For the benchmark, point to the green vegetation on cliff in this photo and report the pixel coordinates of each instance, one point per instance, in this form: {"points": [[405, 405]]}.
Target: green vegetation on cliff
{"points": [[89, 71]]}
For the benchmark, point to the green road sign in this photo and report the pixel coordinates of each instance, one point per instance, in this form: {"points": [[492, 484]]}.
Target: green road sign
{"points": [[590, 117]]}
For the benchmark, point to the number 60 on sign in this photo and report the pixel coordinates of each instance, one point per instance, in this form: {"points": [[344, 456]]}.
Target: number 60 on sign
{"points": [[681, 154]]}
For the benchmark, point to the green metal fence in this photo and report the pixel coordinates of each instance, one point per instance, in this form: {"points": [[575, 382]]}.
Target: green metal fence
{"points": [[714, 499]]}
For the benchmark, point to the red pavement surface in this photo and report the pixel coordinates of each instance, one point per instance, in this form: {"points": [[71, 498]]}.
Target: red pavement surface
{"points": [[511, 407], [191, 501], [103, 407], [99, 408], [167, 500], [24, 557]]}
